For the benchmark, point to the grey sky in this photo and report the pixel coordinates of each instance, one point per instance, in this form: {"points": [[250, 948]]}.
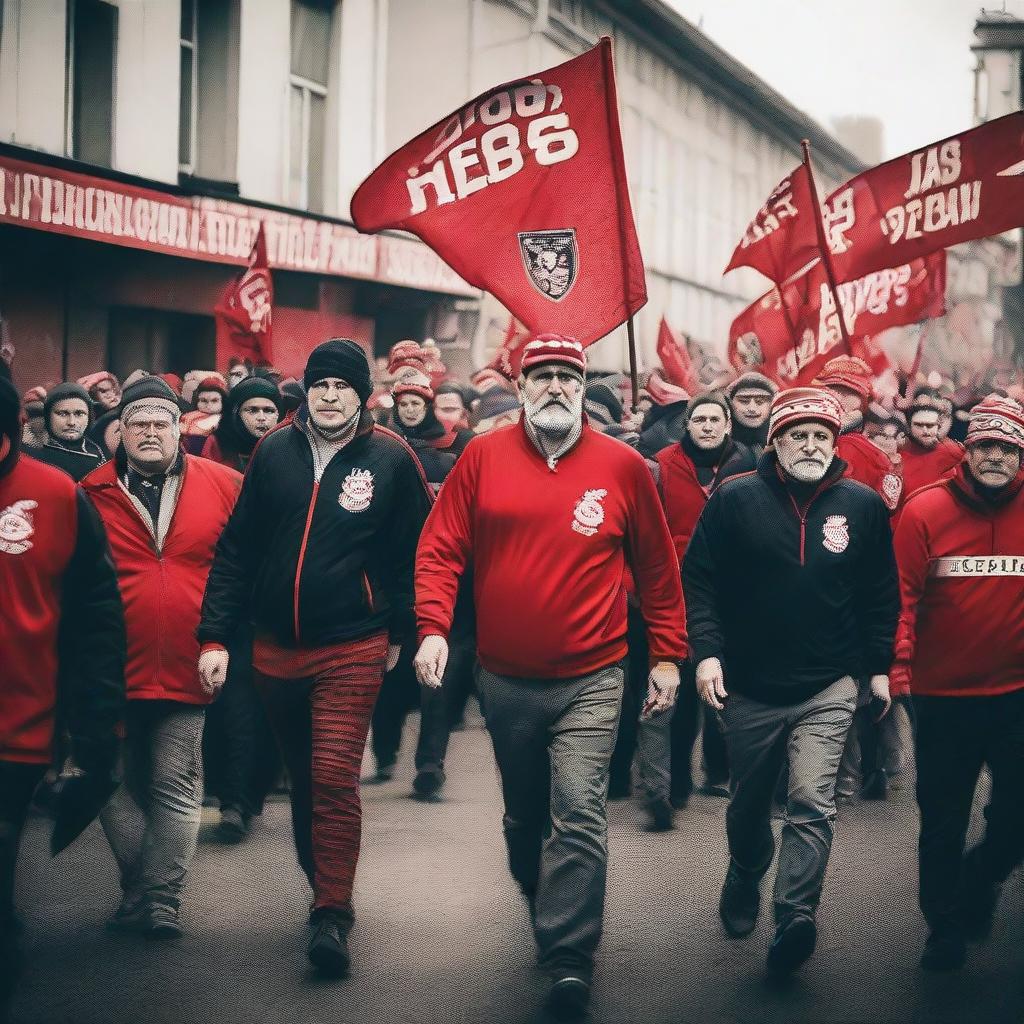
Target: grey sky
{"points": [[907, 62]]}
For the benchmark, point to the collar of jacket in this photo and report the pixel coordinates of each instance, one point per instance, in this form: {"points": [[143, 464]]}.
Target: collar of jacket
{"points": [[83, 446], [708, 458], [983, 499]]}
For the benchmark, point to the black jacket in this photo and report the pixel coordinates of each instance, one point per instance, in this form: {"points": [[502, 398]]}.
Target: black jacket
{"points": [[316, 564], [76, 459], [792, 596]]}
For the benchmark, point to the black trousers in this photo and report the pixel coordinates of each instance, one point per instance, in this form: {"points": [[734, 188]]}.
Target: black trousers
{"points": [[690, 716], [633, 693], [955, 737], [441, 708], [17, 784], [399, 694]]}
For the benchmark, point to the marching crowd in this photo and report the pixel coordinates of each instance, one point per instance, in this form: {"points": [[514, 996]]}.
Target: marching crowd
{"points": [[197, 572]]}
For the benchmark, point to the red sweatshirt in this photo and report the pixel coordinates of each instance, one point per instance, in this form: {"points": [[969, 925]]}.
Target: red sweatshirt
{"points": [[549, 550], [923, 466], [961, 562]]}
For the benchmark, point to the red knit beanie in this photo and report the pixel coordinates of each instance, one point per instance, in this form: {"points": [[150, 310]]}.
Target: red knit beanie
{"points": [[554, 348], [846, 372]]}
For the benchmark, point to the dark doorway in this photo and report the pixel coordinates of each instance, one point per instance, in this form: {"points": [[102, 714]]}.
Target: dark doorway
{"points": [[159, 342]]}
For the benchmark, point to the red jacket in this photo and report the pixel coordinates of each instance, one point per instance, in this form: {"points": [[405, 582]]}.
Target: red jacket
{"points": [[923, 466], [869, 465], [60, 617], [961, 562], [549, 552], [163, 591]]}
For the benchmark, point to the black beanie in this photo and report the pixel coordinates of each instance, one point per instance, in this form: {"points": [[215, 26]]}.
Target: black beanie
{"points": [[148, 387], [10, 410], [709, 398], [256, 387], [343, 358], [62, 392]]}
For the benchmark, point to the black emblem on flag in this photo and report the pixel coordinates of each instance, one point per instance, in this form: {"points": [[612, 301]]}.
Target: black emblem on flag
{"points": [[551, 260]]}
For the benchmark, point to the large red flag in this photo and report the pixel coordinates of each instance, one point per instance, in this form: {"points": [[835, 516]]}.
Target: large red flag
{"points": [[968, 186], [792, 350], [781, 240], [243, 314], [675, 358], [523, 192]]}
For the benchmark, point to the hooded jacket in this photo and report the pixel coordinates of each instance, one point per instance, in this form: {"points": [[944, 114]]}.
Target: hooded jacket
{"points": [[792, 594], [961, 560], [312, 564], [231, 444], [162, 589]]}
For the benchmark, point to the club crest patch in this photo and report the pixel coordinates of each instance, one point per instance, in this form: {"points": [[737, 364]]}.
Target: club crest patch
{"points": [[551, 260], [836, 534], [588, 515], [356, 491], [892, 488], [16, 527]]}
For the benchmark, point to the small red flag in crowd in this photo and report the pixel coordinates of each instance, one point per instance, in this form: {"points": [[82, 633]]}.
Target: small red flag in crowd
{"points": [[781, 240], [523, 193], [675, 358], [509, 357], [243, 315], [790, 343], [968, 186]]}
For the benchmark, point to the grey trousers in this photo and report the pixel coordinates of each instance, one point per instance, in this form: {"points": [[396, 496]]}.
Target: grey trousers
{"points": [[553, 742], [810, 736], [152, 821]]}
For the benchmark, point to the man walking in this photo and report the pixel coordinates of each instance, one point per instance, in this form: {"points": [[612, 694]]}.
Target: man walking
{"points": [[67, 413], [792, 596], [163, 511], [927, 456], [960, 653], [318, 554], [551, 513]]}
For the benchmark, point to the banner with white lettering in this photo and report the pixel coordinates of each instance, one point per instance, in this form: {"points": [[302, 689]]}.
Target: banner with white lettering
{"points": [[968, 186], [790, 344], [523, 192]]}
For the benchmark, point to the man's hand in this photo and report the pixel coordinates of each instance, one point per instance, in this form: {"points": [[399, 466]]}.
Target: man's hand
{"points": [[213, 669], [431, 660], [881, 702], [711, 683], [394, 650], [662, 689]]}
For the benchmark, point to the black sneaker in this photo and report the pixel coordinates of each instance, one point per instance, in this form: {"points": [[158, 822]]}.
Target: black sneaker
{"points": [[328, 947], [660, 815], [978, 899], [385, 772], [876, 786], [945, 950], [427, 785], [234, 825], [130, 916], [740, 903], [569, 997], [793, 944], [619, 789], [720, 789], [161, 922]]}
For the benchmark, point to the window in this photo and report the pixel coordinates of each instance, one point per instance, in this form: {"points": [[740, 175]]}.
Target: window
{"points": [[92, 42], [307, 110], [188, 109]]}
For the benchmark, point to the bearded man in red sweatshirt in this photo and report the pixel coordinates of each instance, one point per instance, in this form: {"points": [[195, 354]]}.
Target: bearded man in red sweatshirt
{"points": [[551, 514], [960, 653]]}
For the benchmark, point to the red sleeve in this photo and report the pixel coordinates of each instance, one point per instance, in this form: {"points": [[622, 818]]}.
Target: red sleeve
{"points": [[911, 546], [444, 547], [652, 558]]}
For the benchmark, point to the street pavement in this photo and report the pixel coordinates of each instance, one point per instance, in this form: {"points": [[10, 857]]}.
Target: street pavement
{"points": [[442, 934]]}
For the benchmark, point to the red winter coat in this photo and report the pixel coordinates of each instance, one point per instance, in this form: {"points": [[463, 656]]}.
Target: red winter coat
{"points": [[922, 466], [869, 465], [961, 562], [163, 590]]}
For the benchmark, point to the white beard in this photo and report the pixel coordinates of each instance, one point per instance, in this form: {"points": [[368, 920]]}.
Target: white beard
{"points": [[805, 472], [552, 418]]}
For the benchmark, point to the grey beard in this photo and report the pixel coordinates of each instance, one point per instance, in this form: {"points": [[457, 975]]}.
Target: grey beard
{"points": [[553, 420], [554, 429], [803, 473]]}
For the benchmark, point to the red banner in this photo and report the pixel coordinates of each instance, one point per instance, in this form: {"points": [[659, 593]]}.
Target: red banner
{"points": [[523, 192], [967, 186], [781, 240], [675, 358], [243, 314], [509, 357], [792, 351]]}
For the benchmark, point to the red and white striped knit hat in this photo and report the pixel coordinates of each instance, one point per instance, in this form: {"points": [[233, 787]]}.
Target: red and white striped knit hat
{"points": [[804, 405], [996, 419], [554, 348], [846, 372], [414, 384]]}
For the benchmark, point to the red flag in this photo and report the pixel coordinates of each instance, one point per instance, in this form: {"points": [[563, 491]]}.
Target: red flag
{"points": [[781, 240], [509, 357], [675, 358], [243, 314], [761, 336], [523, 192], [967, 186]]}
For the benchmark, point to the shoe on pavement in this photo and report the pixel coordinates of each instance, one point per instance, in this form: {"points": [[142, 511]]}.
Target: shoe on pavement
{"points": [[161, 922], [660, 815], [740, 903], [328, 947], [427, 786], [793, 944], [876, 786], [945, 950], [715, 789], [385, 772], [130, 916], [234, 825], [569, 997], [619, 790], [679, 800]]}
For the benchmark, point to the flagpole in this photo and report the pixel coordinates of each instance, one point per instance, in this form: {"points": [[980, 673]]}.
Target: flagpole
{"points": [[826, 256], [632, 362]]}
